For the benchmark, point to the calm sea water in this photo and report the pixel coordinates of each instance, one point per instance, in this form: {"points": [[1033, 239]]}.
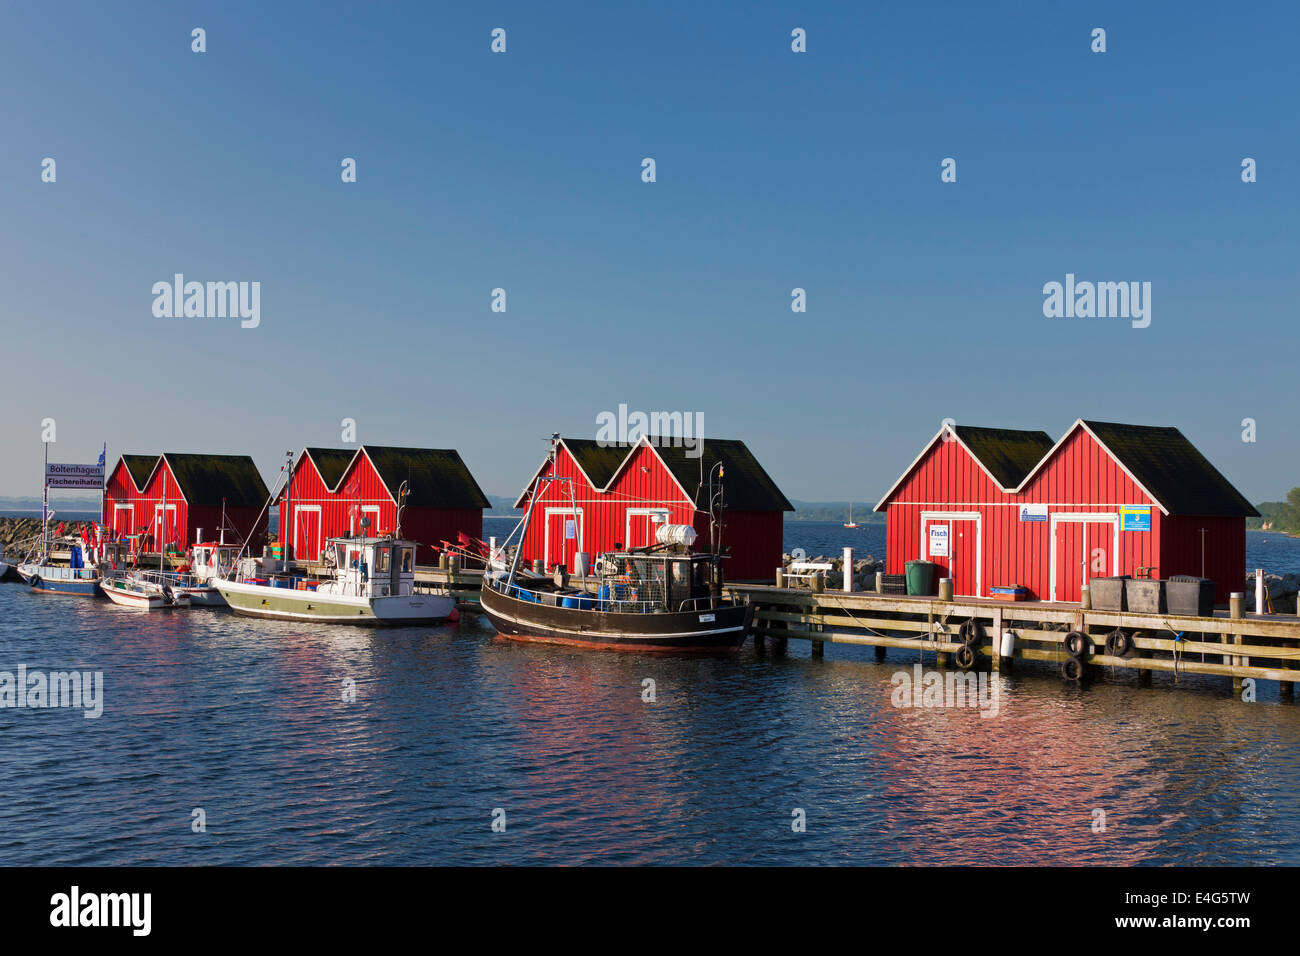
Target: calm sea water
{"points": [[246, 721]]}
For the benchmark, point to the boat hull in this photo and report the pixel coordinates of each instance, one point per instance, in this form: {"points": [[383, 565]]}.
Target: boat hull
{"points": [[203, 597], [705, 631], [125, 596], [284, 604], [56, 580]]}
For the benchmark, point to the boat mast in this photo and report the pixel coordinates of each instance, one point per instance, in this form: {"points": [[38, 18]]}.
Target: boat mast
{"points": [[162, 532], [45, 507]]}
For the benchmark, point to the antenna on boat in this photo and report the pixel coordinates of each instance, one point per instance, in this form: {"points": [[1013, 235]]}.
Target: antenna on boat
{"points": [[402, 492]]}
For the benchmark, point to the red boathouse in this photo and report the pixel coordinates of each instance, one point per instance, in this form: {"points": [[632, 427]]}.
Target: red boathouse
{"points": [[1002, 507], [619, 494], [333, 489], [198, 487]]}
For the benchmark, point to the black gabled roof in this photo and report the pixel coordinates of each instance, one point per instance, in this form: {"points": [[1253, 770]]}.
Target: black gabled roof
{"points": [[598, 460], [1009, 454], [208, 479], [438, 477], [1172, 470], [747, 486], [139, 467], [331, 463]]}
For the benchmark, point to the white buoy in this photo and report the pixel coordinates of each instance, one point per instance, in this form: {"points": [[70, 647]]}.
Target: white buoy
{"points": [[1008, 647]]}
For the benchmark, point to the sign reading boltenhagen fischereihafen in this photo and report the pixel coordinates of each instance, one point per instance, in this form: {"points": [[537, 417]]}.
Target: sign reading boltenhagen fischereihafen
{"points": [[74, 476]]}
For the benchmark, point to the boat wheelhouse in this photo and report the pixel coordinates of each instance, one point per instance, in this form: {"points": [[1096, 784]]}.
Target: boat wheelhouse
{"points": [[366, 580]]}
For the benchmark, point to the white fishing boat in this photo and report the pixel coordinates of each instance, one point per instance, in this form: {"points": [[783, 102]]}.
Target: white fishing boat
{"points": [[368, 581], [135, 589], [208, 561], [145, 589]]}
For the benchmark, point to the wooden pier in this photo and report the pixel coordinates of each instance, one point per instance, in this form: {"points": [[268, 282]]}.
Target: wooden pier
{"points": [[1230, 644]]}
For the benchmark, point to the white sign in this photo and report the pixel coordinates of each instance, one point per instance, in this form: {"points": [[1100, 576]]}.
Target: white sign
{"points": [[1033, 512], [570, 530], [938, 540], [74, 476]]}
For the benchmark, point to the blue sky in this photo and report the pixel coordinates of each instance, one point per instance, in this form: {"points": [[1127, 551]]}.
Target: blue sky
{"points": [[522, 171]]}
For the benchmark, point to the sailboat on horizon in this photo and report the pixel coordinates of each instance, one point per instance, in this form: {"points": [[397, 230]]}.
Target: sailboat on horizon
{"points": [[851, 523]]}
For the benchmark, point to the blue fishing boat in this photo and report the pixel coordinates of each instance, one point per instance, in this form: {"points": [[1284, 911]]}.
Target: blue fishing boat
{"points": [[38, 569]]}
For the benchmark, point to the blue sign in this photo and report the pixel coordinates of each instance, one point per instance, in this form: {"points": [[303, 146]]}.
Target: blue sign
{"points": [[1134, 519]]}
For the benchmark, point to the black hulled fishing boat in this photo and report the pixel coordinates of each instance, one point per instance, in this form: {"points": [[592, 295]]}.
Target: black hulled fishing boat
{"points": [[661, 598]]}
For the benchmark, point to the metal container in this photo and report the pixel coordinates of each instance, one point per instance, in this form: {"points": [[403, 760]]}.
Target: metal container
{"points": [[1145, 596], [1190, 596], [1108, 593]]}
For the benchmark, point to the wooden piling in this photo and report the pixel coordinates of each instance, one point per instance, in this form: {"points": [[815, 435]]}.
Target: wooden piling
{"points": [[1236, 607]]}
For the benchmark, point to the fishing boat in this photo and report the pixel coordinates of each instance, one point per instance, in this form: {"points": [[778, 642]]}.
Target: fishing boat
{"points": [[851, 523], [38, 569], [660, 598], [198, 578], [136, 590], [75, 578], [366, 581]]}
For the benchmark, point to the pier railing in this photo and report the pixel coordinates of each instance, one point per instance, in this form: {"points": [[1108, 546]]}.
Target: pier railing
{"points": [[1260, 647]]}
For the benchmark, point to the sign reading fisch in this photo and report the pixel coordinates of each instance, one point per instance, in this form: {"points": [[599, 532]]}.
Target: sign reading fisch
{"points": [[938, 540]]}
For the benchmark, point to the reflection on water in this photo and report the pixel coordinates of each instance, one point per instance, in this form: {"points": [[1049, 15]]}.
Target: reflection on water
{"points": [[248, 721]]}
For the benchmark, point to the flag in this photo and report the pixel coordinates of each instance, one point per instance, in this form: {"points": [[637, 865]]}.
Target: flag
{"points": [[101, 456]]}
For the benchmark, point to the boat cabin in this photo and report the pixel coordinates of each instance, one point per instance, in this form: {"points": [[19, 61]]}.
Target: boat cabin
{"points": [[210, 558], [373, 567]]}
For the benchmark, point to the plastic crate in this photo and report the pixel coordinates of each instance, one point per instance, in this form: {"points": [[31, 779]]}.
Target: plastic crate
{"points": [[893, 584]]}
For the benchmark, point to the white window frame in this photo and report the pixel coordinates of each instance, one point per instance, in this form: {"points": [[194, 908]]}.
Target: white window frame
{"points": [[644, 512], [160, 529], [130, 525], [1112, 517], [570, 511], [299, 509], [373, 511], [928, 516]]}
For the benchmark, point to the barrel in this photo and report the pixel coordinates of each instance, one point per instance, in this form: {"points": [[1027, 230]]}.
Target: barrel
{"points": [[921, 577]]}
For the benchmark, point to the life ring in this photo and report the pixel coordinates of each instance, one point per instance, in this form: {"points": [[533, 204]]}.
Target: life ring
{"points": [[965, 657], [1078, 645], [1118, 644], [1072, 669], [972, 633]]}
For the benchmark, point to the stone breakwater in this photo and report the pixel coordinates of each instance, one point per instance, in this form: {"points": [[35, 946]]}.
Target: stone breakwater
{"points": [[17, 534]]}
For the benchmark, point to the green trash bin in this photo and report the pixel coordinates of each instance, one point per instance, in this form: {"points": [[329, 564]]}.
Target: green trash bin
{"points": [[921, 577]]}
